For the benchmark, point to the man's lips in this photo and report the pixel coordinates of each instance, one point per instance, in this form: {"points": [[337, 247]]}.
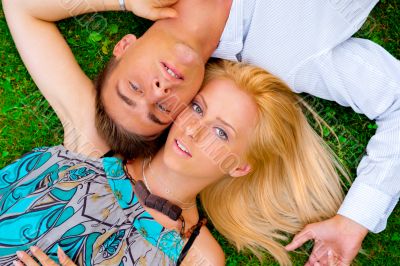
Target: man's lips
{"points": [[171, 71]]}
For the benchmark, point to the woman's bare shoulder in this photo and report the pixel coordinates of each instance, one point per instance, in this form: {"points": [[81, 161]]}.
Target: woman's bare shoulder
{"points": [[205, 250]]}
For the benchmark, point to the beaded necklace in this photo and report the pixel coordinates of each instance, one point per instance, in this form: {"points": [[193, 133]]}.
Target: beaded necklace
{"points": [[155, 202], [183, 205]]}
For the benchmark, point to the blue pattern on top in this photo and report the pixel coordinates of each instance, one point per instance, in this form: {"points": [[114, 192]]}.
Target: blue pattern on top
{"points": [[53, 196], [169, 241]]}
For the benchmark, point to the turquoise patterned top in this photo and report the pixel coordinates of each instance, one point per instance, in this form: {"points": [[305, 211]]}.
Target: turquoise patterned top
{"points": [[52, 196]]}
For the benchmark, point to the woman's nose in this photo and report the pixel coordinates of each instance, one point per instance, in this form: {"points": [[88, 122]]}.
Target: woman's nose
{"points": [[192, 128]]}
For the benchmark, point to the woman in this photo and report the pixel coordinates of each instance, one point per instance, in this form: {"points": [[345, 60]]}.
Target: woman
{"points": [[261, 171]]}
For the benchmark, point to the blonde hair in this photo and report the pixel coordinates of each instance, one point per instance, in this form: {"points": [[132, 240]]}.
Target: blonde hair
{"points": [[294, 179]]}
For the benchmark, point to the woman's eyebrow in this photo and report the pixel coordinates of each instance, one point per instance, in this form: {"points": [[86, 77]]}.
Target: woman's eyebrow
{"points": [[203, 100], [218, 118], [226, 124]]}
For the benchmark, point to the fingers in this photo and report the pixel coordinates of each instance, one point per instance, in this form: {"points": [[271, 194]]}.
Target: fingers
{"points": [[319, 253], [42, 257], [17, 263], [25, 258], [153, 9], [340, 261], [163, 3], [162, 13], [331, 259], [299, 239], [327, 259], [64, 259]]}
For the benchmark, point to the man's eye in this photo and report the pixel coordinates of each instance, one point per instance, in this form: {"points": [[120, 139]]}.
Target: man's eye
{"points": [[134, 87], [221, 133], [197, 108], [162, 108]]}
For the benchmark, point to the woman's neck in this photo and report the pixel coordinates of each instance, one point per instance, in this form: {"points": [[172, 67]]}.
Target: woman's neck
{"points": [[180, 189]]}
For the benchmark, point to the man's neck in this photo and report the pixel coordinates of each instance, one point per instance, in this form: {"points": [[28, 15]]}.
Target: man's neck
{"points": [[200, 23]]}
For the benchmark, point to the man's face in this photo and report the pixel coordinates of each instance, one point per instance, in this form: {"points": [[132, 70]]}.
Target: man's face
{"points": [[152, 74]]}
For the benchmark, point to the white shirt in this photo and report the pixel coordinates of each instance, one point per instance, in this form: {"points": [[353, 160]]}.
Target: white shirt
{"points": [[308, 45]]}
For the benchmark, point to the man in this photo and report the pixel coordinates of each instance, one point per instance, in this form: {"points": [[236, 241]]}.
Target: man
{"points": [[305, 43]]}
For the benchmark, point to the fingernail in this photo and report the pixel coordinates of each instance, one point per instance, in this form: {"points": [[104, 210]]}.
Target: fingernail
{"points": [[330, 253], [20, 254], [16, 263], [33, 248], [61, 254]]}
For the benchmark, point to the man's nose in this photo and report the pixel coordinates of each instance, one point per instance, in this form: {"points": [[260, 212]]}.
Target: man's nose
{"points": [[160, 88]]}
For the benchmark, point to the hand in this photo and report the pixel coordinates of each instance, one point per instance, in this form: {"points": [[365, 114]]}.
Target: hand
{"points": [[336, 241], [152, 9], [43, 258]]}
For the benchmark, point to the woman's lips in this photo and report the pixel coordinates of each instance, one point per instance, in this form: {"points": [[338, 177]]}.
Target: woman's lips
{"points": [[181, 148]]}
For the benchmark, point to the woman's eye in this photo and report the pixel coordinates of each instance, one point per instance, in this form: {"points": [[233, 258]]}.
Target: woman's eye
{"points": [[221, 133], [197, 108]]}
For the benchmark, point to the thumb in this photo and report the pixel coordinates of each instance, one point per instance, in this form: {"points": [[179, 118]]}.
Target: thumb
{"points": [[162, 13], [166, 2], [300, 238], [64, 259], [331, 259]]}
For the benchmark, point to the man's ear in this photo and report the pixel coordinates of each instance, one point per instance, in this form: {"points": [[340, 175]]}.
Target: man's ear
{"points": [[241, 170], [123, 44]]}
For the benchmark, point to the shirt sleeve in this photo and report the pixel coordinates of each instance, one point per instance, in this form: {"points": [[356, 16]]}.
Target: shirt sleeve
{"points": [[361, 74]]}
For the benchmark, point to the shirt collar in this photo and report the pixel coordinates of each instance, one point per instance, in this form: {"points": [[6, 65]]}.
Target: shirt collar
{"points": [[231, 42]]}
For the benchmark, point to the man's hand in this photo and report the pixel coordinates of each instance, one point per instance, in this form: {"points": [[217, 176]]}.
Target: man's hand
{"points": [[152, 9], [338, 237], [42, 258]]}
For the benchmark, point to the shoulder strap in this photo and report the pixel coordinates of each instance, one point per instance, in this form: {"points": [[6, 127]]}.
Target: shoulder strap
{"points": [[110, 153], [195, 231]]}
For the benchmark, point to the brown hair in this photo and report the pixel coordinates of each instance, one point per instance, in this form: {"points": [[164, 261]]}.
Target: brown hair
{"points": [[120, 140]]}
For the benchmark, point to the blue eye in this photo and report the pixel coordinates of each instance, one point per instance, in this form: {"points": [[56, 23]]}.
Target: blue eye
{"points": [[197, 108], [221, 133]]}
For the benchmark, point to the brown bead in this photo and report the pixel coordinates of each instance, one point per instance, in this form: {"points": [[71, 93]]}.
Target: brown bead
{"points": [[141, 190], [155, 202], [160, 202], [167, 206], [174, 212]]}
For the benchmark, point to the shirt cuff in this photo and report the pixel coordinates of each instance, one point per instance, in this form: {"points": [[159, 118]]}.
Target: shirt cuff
{"points": [[367, 206]]}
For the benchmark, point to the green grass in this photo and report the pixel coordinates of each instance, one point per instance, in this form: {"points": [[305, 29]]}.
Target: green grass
{"points": [[26, 120]]}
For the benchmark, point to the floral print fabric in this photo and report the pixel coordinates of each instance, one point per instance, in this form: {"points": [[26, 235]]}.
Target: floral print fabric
{"points": [[52, 196]]}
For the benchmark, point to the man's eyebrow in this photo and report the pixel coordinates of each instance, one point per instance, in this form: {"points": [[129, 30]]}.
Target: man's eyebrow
{"points": [[226, 124], [126, 99], [153, 118]]}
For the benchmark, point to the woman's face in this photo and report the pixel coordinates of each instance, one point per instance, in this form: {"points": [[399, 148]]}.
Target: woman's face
{"points": [[210, 138]]}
